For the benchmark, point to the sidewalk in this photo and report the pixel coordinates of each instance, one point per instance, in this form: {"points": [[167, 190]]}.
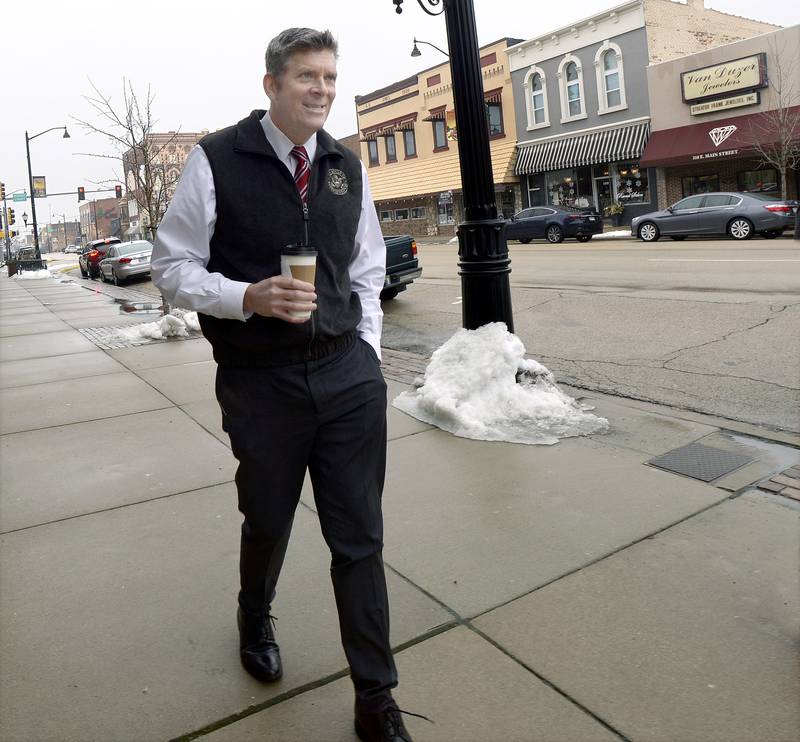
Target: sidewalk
{"points": [[563, 593]]}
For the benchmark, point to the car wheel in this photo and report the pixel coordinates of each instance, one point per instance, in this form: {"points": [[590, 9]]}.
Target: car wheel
{"points": [[388, 294], [114, 277], [554, 234], [584, 238], [677, 237], [84, 274], [648, 232], [770, 235], [525, 241], [740, 228]]}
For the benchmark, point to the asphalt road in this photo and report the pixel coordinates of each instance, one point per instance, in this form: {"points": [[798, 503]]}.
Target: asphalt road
{"points": [[705, 325]]}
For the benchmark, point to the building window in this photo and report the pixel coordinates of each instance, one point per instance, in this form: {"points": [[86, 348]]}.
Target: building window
{"points": [[401, 215], [445, 215], [489, 59], [758, 181], [699, 184], [372, 148], [610, 78], [418, 212], [434, 80], [535, 87], [570, 75], [632, 185], [439, 135], [494, 115], [391, 148], [409, 143], [386, 216]]}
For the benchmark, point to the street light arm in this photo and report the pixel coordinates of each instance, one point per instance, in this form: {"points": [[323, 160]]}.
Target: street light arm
{"points": [[426, 5], [52, 128], [428, 43]]}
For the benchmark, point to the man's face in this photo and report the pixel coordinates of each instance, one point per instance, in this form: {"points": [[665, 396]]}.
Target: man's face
{"points": [[302, 95]]}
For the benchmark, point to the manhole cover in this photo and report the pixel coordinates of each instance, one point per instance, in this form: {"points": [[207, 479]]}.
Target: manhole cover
{"points": [[700, 462]]}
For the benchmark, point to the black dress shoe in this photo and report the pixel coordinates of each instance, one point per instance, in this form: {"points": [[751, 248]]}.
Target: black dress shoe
{"points": [[384, 726], [258, 650]]}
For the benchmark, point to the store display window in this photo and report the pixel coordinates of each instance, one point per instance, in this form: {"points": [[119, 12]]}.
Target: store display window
{"points": [[692, 184], [758, 181], [632, 185]]}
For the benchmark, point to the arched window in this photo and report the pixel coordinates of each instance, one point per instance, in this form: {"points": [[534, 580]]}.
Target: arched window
{"points": [[570, 78], [610, 78], [535, 86], [574, 90]]}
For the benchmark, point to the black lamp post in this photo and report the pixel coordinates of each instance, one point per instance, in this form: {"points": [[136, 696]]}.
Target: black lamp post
{"points": [[30, 182], [483, 259]]}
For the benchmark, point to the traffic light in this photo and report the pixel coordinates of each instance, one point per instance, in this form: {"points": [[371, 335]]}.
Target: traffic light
{"points": [[118, 191], [10, 216], [2, 191], [81, 193]]}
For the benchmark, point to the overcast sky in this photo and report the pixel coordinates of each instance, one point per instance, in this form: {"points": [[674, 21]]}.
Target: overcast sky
{"points": [[205, 64]]}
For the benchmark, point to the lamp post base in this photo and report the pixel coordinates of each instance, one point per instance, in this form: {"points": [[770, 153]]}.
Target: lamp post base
{"points": [[484, 266]]}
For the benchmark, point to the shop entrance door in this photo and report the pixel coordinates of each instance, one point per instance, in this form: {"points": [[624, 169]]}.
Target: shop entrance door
{"points": [[604, 193]]}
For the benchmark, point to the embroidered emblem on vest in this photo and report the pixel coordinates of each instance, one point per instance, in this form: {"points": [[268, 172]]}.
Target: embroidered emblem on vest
{"points": [[337, 181]]}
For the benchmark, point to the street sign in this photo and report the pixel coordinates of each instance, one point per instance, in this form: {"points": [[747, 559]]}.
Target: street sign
{"points": [[19, 196]]}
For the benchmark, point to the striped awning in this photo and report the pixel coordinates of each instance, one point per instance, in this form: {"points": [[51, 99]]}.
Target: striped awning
{"points": [[594, 148]]}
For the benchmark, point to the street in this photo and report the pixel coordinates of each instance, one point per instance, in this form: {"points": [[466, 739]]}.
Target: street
{"points": [[706, 325]]}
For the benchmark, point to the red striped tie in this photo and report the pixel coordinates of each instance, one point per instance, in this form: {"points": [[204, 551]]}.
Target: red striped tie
{"points": [[302, 171]]}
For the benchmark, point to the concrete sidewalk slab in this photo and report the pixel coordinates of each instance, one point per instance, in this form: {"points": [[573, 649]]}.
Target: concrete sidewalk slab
{"points": [[74, 400], [183, 383], [691, 635], [471, 690], [105, 464], [31, 311], [32, 327], [57, 368], [400, 424], [121, 625], [207, 414], [170, 353], [482, 523], [43, 345]]}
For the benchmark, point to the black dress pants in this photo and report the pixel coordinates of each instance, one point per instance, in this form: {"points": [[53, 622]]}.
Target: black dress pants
{"points": [[328, 416]]}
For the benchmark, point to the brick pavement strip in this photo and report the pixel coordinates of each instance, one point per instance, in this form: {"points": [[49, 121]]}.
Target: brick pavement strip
{"points": [[771, 486], [792, 492], [785, 481]]}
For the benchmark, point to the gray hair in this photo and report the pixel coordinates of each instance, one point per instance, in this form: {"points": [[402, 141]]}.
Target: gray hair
{"points": [[294, 40]]}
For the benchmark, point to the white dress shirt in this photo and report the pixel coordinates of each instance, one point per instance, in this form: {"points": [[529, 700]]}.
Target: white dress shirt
{"points": [[182, 248]]}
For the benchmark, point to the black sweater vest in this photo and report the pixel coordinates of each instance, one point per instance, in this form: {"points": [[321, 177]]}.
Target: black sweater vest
{"points": [[259, 211]]}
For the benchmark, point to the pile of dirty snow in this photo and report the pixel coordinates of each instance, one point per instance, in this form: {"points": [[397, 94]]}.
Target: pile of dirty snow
{"points": [[178, 323], [479, 385], [24, 275]]}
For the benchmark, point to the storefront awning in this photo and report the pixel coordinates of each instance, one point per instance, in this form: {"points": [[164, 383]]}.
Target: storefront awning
{"points": [[594, 148], [717, 139]]}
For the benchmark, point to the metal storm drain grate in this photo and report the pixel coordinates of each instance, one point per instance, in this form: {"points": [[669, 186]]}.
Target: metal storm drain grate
{"points": [[700, 462]]}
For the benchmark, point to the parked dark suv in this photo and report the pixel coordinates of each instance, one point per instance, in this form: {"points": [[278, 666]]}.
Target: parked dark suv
{"points": [[553, 223], [93, 253]]}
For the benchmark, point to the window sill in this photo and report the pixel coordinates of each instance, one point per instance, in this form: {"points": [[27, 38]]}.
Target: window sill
{"points": [[441, 149], [410, 157], [390, 162], [543, 125], [501, 135], [613, 109], [374, 164], [568, 119]]}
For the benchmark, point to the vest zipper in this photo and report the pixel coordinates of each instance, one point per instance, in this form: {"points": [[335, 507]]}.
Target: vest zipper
{"points": [[306, 220]]}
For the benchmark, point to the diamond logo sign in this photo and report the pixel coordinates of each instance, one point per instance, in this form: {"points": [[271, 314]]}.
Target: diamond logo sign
{"points": [[720, 134]]}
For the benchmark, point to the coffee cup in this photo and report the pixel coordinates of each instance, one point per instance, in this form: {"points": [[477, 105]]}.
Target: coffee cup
{"points": [[300, 262]]}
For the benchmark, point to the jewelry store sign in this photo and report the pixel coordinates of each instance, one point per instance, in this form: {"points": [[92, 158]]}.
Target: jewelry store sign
{"points": [[721, 104], [720, 80]]}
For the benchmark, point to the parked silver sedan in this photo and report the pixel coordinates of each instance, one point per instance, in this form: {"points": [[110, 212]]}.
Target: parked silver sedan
{"points": [[126, 260], [739, 215]]}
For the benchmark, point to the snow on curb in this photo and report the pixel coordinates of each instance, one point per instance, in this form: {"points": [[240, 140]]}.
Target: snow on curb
{"points": [[178, 323], [27, 275], [619, 234], [479, 385]]}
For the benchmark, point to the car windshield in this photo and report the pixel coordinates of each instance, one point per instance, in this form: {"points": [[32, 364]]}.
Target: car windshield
{"points": [[133, 247]]}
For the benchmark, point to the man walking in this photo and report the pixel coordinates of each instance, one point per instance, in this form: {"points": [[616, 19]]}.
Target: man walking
{"points": [[296, 393]]}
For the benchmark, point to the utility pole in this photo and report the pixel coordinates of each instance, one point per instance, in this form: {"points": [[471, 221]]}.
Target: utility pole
{"points": [[5, 221]]}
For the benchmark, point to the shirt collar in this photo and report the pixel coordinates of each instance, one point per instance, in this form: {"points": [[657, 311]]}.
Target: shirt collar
{"points": [[282, 144]]}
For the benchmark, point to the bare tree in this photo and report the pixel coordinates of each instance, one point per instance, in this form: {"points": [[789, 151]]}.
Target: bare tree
{"points": [[130, 127], [777, 131]]}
